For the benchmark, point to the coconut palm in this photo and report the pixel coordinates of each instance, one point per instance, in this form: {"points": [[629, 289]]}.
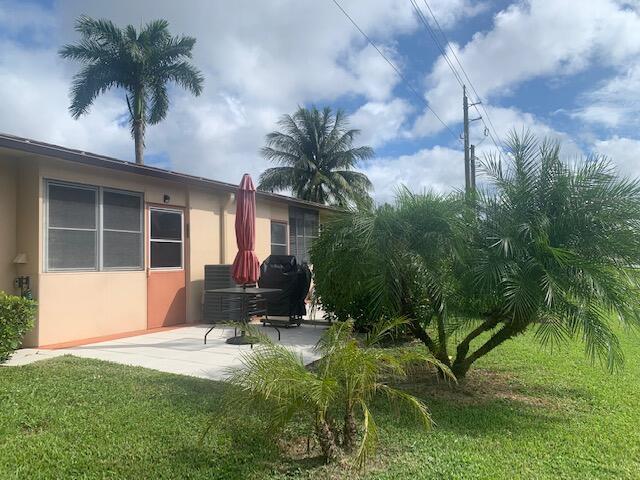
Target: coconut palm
{"points": [[552, 247], [335, 396], [142, 63], [316, 158]]}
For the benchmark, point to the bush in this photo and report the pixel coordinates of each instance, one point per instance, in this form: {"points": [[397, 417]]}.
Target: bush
{"points": [[333, 399], [549, 245], [16, 319]]}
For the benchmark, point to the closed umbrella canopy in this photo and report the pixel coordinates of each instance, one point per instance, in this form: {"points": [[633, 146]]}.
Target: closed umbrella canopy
{"points": [[246, 268]]}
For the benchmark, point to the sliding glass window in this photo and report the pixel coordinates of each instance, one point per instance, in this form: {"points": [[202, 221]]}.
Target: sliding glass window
{"points": [[91, 229]]}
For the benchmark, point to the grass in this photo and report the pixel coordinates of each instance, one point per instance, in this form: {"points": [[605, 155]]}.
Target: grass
{"points": [[523, 413]]}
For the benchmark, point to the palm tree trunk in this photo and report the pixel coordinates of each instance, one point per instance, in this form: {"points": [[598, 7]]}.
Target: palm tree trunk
{"points": [[138, 138], [461, 365], [138, 116], [327, 440], [350, 429]]}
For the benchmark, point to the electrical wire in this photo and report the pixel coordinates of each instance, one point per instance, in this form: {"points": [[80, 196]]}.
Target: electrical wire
{"points": [[473, 89], [435, 40], [398, 72]]}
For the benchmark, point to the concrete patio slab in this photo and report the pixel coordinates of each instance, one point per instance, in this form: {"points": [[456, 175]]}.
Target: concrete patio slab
{"points": [[181, 350]]}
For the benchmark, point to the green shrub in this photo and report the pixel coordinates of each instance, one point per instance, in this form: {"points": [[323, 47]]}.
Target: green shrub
{"points": [[549, 245], [16, 319], [333, 400]]}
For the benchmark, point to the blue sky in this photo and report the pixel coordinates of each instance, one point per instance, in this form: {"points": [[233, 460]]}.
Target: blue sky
{"points": [[556, 68]]}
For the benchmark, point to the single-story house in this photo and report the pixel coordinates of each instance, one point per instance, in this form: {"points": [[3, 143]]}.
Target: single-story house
{"points": [[111, 247]]}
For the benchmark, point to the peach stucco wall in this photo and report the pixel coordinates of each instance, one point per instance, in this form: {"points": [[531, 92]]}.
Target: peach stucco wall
{"points": [[212, 237], [265, 212], [92, 304], [8, 236], [79, 305], [204, 245], [74, 306]]}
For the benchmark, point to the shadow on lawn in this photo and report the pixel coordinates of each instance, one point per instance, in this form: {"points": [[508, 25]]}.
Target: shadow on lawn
{"points": [[242, 451], [490, 402]]}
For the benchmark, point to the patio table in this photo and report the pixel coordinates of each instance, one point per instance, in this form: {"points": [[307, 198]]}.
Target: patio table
{"points": [[245, 293]]}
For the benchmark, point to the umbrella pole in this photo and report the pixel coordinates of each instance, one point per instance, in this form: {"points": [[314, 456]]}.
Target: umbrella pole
{"points": [[243, 338]]}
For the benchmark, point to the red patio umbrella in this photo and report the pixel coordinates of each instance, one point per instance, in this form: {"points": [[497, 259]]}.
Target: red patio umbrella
{"points": [[246, 268]]}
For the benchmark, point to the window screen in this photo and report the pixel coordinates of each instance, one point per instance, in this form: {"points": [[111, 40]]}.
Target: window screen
{"points": [[121, 230], [90, 228], [72, 234], [166, 239], [303, 229], [166, 225], [278, 238]]}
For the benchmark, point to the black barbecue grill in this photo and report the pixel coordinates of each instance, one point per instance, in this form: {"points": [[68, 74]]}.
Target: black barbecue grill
{"points": [[283, 272]]}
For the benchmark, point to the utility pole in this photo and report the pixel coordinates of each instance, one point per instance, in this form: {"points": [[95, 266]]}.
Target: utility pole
{"points": [[473, 167], [467, 166], [469, 153]]}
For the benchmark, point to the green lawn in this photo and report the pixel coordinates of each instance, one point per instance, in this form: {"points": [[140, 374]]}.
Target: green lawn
{"points": [[522, 414]]}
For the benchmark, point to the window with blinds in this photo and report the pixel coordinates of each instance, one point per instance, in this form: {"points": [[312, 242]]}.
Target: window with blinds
{"points": [[122, 238], [91, 228], [303, 230], [278, 238], [72, 231]]}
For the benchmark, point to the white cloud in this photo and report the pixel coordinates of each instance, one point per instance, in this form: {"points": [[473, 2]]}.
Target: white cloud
{"points": [[531, 39], [623, 152], [512, 120], [380, 122], [34, 98], [260, 60], [613, 103], [449, 12], [440, 169], [263, 59]]}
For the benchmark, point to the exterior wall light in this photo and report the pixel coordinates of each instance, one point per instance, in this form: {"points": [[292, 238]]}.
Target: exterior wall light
{"points": [[20, 259], [22, 282]]}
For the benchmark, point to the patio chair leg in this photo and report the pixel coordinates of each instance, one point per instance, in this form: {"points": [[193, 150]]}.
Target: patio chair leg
{"points": [[277, 330], [208, 332]]}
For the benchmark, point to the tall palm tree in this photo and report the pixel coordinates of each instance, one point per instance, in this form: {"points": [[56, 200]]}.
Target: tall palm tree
{"points": [[316, 158], [142, 63]]}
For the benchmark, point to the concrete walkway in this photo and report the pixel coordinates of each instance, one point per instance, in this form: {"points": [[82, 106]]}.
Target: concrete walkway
{"points": [[180, 350]]}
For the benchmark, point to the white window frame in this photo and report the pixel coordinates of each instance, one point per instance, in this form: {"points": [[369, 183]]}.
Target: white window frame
{"points": [[102, 230], [181, 241], [98, 230], [300, 211], [286, 236]]}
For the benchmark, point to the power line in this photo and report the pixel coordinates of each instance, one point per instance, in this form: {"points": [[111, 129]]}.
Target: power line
{"points": [[453, 69], [478, 99], [435, 40], [473, 88], [402, 77]]}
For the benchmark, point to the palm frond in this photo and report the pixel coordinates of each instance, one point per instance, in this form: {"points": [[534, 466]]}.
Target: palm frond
{"points": [[159, 103], [185, 75], [92, 81], [369, 437], [319, 146]]}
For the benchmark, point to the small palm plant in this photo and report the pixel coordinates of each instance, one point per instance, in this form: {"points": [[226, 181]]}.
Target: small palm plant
{"points": [[335, 396]]}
